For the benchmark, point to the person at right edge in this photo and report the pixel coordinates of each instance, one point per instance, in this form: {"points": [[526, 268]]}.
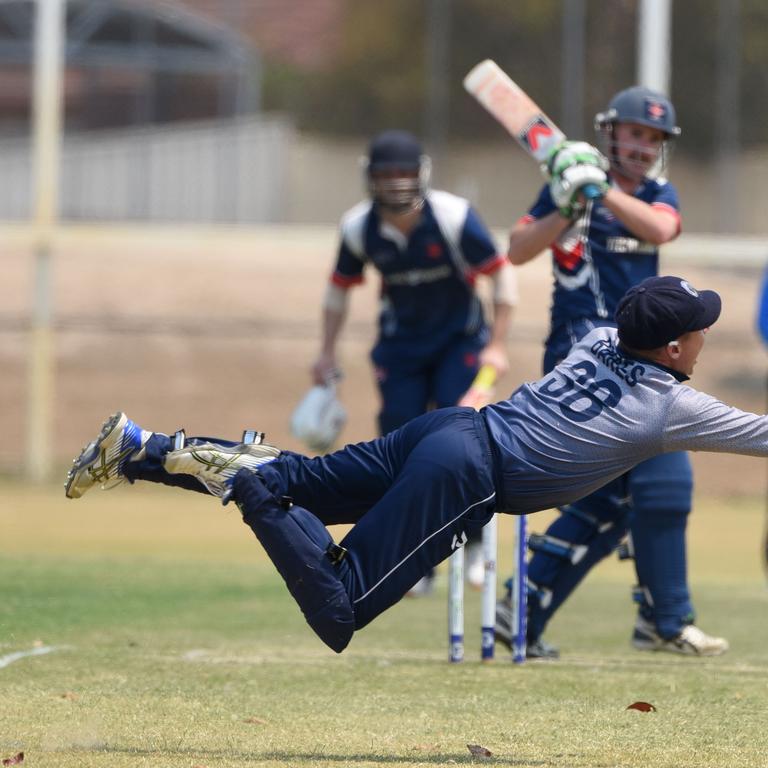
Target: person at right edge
{"points": [[604, 216]]}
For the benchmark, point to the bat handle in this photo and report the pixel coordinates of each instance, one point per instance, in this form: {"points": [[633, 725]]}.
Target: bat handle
{"points": [[591, 192], [486, 377]]}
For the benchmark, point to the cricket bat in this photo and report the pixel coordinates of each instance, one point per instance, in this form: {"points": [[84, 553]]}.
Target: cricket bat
{"points": [[480, 392], [517, 112]]}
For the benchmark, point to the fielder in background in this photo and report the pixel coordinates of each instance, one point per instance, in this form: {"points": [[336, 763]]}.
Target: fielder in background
{"points": [[429, 248], [762, 327], [602, 243], [414, 494]]}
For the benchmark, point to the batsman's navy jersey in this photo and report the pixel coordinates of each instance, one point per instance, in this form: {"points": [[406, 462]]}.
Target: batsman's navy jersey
{"points": [[597, 415], [427, 278], [597, 259]]}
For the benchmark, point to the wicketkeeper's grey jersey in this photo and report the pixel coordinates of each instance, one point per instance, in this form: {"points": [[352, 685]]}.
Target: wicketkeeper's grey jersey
{"points": [[598, 414]]}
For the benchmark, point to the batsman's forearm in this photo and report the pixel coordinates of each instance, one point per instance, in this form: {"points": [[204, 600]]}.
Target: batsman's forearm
{"points": [[643, 220], [529, 238]]}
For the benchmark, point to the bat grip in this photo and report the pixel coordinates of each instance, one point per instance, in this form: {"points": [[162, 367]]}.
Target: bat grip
{"points": [[591, 192]]}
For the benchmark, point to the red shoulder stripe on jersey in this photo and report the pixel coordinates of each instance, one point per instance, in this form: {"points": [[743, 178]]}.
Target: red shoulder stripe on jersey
{"points": [[343, 281], [494, 264]]}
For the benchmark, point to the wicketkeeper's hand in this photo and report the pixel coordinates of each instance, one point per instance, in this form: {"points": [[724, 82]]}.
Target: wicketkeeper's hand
{"points": [[571, 167]]}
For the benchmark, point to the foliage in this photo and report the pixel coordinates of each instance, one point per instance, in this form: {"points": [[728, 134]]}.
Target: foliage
{"points": [[380, 76]]}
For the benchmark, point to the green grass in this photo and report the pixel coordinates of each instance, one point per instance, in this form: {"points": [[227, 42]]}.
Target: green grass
{"points": [[178, 646]]}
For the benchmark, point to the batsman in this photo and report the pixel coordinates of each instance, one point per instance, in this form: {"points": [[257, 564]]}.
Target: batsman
{"points": [[604, 215]]}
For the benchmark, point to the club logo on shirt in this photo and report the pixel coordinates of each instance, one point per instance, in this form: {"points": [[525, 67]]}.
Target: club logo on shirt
{"points": [[434, 250]]}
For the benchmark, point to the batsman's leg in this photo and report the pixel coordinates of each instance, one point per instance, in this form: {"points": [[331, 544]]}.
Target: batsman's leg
{"points": [[598, 522], [662, 493]]}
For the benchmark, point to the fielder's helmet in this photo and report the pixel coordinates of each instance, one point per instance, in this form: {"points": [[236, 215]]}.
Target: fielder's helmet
{"points": [[397, 171], [643, 106]]}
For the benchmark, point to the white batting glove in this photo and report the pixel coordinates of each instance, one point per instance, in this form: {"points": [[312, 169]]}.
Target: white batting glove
{"points": [[573, 153], [567, 188], [572, 167]]}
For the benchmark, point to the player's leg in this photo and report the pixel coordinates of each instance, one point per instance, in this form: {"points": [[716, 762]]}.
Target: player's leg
{"points": [[437, 481], [584, 534], [304, 554], [124, 451], [402, 377], [443, 493], [661, 491], [114, 455], [455, 369]]}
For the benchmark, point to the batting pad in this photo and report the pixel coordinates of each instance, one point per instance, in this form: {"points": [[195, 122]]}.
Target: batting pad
{"points": [[297, 543]]}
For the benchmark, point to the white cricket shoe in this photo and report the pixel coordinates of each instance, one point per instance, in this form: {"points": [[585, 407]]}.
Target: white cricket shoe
{"points": [[690, 642], [215, 466], [474, 569], [101, 462]]}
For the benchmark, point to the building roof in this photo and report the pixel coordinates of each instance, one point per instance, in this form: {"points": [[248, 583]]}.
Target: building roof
{"points": [[305, 33]]}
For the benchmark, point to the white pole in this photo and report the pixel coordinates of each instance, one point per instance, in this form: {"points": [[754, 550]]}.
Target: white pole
{"points": [[654, 44], [488, 604], [46, 116], [456, 605]]}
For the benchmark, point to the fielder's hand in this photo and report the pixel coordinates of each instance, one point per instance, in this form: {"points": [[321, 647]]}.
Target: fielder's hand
{"points": [[571, 167]]}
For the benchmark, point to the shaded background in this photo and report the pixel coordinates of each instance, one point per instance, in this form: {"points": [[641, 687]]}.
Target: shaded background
{"points": [[209, 149]]}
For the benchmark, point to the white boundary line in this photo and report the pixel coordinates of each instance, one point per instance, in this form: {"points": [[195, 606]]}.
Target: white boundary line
{"points": [[9, 658]]}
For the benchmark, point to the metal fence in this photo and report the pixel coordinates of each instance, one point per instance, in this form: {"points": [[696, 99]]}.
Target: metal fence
{"points": [[219, 172]]}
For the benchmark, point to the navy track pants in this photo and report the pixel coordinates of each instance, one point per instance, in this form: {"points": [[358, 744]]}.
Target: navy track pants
{"points": [[413, 496]]}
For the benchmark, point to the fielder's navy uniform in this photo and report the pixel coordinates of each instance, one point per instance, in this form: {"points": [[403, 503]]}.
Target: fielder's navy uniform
{"points": [[415, 493], [594, 263], [431, 325]]}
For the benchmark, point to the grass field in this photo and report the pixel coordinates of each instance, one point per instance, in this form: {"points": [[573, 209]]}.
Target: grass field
{"points": [[175, 644]]}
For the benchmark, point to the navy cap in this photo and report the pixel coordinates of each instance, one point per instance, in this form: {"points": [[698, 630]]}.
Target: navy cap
{"points": [[661, 309]]}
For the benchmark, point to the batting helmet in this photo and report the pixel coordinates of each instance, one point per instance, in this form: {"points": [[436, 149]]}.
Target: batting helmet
{"points": [[642, 106], [397, 171]]}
